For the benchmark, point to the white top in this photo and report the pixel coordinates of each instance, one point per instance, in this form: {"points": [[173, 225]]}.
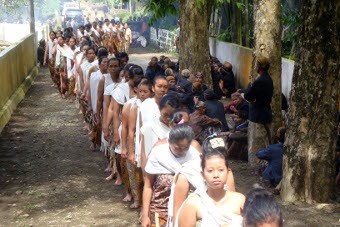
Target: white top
{"points": [[69, 54], [122, 93], [153, 131], [108, 80], [149, 111], [50, 47], [94, 82]]}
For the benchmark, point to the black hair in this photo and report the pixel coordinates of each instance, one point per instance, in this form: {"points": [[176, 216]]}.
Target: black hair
{"points": [[146, 83], [157, 78], [87, 26], [52, 32], [215, 142], [169, 100], [137, 82], [243, 114], [122, 55], [112, 59], [138, 71], [261, 207], [85, 44], [81, 26], [177, 115], [181, 132], [101, 52], [101, 59], [91, 48], [212, 153]]}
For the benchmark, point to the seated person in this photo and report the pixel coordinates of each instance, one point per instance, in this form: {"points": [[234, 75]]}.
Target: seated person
{"points": [[227, 82], [215, 109], [237, 137], [273, 154], [238, 104], [153, 70], [201, 123]]}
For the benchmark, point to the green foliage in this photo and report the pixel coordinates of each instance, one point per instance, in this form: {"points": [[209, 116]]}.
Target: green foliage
{"points": [[290, 22], [12, 7], [226, 35]]}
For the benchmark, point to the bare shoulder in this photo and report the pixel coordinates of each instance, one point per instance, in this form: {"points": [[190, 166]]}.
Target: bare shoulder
{"points": [[197, 146], [238, 197]]}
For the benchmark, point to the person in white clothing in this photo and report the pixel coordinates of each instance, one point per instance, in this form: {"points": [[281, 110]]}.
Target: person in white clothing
{"points": [[95, 77], [213, 205]]}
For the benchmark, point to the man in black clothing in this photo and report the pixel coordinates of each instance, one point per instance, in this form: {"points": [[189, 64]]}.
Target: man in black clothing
{"points": [[259, 95], [227, 82], [215, 109]]}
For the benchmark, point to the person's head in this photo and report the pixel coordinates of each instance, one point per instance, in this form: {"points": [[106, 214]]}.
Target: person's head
{"points": [[214, 169], [199, 77], [179, 116], [88, 27], [153, 61], [161, 58], [180, 138], [107, 22], [91, 54], [123, 58], [240, 117], [262, 64], [113, 68], [280, 134], [226, 69], [100, 24], [102, 51], [160, 87], [171, 81], [168, 104], [52, 35], [209, 94], [94, 24], [237, 98], [126, 25], [261, 209], [59, 33], [42, 43], [215, 142], [72, 42], [200, 107], [61, 40], [185, 73], [81, 29], [145, 90], [102, 61], [84, 47]]}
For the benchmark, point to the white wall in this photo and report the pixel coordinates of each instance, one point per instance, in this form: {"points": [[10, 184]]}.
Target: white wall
{"points": [[163, 38], [15, 32], [241, 57]]}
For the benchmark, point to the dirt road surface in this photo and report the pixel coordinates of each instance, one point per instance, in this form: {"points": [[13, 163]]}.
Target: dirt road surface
{"points": [[49, 176]]}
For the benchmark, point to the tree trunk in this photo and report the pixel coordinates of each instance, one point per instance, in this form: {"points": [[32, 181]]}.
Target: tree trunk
{"points": [[267, 34], [194, 38], [246, 23], [309, 158]]}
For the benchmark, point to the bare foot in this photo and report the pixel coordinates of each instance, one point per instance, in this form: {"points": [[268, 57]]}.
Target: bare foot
{"points": [[128, 198], [108, 169], [135, 204], [118, 181], [111, 177]]}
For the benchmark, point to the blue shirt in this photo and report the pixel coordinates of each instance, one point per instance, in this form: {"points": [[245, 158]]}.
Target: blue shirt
{"points": [[273, 154]]}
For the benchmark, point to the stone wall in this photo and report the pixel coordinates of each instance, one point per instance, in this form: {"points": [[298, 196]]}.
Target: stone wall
{"points": [[18, 69]]}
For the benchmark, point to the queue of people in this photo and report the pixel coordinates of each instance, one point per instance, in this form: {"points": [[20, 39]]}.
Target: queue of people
{"points": [[163, 133]]}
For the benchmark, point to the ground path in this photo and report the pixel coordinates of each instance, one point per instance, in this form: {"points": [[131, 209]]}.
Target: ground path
{"points": [[49, 176]]}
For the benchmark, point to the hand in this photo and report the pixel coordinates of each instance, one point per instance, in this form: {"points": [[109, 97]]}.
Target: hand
{"points": [[82, 96], [195, 99], [75, 90], [124, 153], [132, 158], [106, 133], [146, 221], [116, 139], [232, 108]]}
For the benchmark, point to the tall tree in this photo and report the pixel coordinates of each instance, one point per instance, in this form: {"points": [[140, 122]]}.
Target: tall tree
{"points": [[308, 163], [267, 42], [194, 35]]}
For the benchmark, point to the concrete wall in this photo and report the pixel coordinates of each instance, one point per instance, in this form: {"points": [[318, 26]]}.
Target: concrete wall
{"points": [[18, 68], [241, 59]]}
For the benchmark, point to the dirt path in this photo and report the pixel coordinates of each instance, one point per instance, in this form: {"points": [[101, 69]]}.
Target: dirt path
{"points": [[49, 176]]}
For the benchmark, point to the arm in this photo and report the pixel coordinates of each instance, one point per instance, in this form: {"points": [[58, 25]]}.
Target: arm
{"points": [[100, 95], [264, 154], [115, 118], [81, 76], [109, 116], [131, 134], [188, 215], [87, 84], [180, 194], [231, 181], [106, 104], [88, 95], [125, 128], [46, 53], [147, 194]]}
